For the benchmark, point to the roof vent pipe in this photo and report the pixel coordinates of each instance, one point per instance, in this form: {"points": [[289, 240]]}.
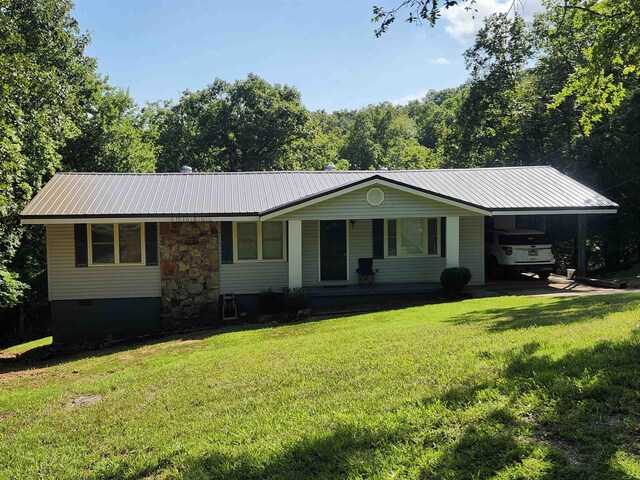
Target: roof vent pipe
{"points": [[329, 168], [185, 169], [383, 169]]}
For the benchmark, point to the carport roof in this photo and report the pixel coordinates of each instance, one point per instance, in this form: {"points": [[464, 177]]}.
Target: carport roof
{"points": [[492, 190]]}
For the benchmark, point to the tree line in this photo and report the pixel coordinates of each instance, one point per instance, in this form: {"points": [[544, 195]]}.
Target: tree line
{"points": [[553, 91]]}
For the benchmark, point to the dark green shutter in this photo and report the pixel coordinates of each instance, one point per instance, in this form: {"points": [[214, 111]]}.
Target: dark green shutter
{"points": [[81, 247], [151, 243], [226, 241], [377, 229], [443, 236]]}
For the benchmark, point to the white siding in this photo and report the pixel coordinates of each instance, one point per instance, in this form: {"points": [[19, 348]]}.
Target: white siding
{"points": [[397, 204], [392, 270], [68, 282], [472, 247], [253, 277]]}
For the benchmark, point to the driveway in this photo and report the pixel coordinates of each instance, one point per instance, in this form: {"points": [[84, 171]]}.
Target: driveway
{"points": [[530, 285]]}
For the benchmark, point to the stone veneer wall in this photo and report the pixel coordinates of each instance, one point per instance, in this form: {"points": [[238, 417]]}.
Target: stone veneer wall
{"points": [[189, 267]]}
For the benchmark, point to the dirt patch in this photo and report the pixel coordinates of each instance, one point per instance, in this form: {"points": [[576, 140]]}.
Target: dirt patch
{"points": [[5, 415], [83, 400], [31, 373]]}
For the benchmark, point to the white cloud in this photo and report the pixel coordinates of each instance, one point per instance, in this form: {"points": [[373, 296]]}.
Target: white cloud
{"points": [[464, 20], [410, 97], [442, 61]]}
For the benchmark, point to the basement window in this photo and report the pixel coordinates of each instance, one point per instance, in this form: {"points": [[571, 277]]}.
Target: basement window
{"points": [[116, 243], [259, 241]]}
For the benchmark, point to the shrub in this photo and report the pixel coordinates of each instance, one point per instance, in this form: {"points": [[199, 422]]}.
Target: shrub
{"points": [[269, 302], [295, 299], [454, 279]]}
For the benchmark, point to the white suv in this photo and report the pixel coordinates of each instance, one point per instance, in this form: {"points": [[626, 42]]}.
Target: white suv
{"points": [[518, 250]]}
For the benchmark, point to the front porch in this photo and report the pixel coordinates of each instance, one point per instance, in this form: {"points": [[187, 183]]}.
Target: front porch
{"points": [[327, 264], [347, 296], [372, 290]]}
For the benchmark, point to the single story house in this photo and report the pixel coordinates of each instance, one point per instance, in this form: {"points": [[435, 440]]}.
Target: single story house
{"points": [[130, 254]]}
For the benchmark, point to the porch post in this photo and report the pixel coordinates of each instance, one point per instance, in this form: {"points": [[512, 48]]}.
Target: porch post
{"points": [[295, 253], [582, 245], [453, 241]]}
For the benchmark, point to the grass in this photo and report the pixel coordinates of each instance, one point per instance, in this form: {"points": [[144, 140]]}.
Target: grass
{"points": [[504, 388], [25, 347]]}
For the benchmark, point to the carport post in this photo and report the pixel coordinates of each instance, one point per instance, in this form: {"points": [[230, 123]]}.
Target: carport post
{"points": [[581, 266]]}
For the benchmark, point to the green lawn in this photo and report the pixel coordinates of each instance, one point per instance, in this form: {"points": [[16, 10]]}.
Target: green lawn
{"points": [[512, 387]]}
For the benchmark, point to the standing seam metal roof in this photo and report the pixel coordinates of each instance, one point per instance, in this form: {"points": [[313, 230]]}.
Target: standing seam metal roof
{"points": [[210, 194]]}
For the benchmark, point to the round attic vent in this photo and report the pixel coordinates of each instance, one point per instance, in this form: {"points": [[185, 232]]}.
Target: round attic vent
{"points": [[375, 196]]}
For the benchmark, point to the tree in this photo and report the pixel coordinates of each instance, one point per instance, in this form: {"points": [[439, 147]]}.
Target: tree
{"points": [[247, 125], [496, 108], [417, 12], [43, 73], [612, 55], [385, 136], [113, 135]]}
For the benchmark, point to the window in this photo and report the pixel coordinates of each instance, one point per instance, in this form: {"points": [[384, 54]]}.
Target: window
{"points": [[103, 244], [116, 243], [272, 240], [392, 238], [247, 241], [260, 241], [413, 237], [130, 242]]}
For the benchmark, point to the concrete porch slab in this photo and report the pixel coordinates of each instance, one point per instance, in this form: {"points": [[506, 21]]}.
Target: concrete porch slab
{"points": [[375, 289]]}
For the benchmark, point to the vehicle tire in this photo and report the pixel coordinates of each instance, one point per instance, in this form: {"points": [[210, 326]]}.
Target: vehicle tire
{"points": [[544, 275], [495, 270]]}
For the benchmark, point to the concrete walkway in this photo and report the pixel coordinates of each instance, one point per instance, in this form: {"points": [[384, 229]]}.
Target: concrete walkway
{"points": [[532, 285]]}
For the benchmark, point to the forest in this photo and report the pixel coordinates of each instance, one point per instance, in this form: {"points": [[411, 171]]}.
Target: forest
{"points": [[560, 90]]}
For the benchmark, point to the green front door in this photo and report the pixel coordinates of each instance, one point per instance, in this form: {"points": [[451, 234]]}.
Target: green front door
{"points": [[333, 250]]}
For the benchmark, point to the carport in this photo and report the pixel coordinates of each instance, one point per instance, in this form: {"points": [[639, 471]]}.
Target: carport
{"points": [[565, 227]]}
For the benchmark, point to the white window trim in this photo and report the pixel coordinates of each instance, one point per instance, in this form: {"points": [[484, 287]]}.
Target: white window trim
{"points": [[259, 240], [425, 239], [116, 247]]}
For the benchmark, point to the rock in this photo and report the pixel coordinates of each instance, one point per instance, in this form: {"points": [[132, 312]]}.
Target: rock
{"points": [[267, 318], [194, 288], [167, 268], [83, 400], [176, 254], [302, 314], [212, 294], [181, 294], [199, 299]]}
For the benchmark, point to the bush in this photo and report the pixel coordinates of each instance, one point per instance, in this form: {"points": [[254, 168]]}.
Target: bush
{"points": [[454, 279], [269, 302], [295, 299]]}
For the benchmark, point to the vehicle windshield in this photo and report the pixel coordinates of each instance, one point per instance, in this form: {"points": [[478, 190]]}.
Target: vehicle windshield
{"points": [[531, 239]]}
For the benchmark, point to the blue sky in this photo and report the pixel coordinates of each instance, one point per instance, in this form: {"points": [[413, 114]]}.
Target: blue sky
{"points": [[327, 50]]}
